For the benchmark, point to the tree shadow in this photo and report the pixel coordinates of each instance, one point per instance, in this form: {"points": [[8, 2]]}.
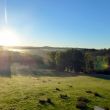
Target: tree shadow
{"points": [[100, 76], [53, 73], [5, 74]]}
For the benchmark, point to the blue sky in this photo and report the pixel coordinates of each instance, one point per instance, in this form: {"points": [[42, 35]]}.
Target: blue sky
{"points": [[60, 23]]}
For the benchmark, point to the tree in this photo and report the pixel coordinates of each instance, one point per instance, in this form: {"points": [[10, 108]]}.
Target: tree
{"points": [[60, 61], [52, 60], [77, 60], [68, 60], [89, 62], [86, 60]]}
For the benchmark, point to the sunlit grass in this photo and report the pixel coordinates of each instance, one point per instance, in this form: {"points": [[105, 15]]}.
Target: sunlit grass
{"points": [[20, 92]]}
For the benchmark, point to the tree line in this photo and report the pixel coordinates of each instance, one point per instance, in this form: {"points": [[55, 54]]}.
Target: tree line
{"points": [[80, 60]]}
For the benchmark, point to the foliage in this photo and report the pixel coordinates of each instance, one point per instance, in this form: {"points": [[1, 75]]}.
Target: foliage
{"points": [[52, 61], [89, 62], [67, 60], [101, 63], [78, 60]]}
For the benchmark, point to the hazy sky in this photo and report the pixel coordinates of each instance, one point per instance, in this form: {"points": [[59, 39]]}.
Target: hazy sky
{"points": [[64, 23]]}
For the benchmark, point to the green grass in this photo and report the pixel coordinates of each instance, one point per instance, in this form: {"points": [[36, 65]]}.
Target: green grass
{"points": [[23, 93]]}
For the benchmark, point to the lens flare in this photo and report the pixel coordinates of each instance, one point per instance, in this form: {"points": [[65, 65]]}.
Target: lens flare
{"points": [[8, 37]]}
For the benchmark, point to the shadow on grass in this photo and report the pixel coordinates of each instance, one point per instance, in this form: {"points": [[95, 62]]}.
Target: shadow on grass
{"points": [[6, 73], [52, 73], [34, 71], [49, 73], [100, 76], [26, 70]]}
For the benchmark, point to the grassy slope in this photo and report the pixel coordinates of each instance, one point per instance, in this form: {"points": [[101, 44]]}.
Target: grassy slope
{"points": [[23, 93]]}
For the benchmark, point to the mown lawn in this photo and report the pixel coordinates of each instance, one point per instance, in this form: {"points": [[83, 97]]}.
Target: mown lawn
{"points": [[24, 93]]}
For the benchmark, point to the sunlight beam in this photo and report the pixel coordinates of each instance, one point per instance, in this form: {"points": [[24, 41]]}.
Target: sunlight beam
{"points": [[6, 20]]}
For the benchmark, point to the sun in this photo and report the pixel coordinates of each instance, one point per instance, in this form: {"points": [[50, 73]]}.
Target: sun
{"points": [[8, 37]]}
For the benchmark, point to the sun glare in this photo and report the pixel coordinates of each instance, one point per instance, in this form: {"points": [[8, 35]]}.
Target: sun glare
{"points": [[8, 37]]}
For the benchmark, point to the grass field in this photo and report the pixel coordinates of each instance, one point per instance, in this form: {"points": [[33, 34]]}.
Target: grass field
{"points": [[24, 92]]}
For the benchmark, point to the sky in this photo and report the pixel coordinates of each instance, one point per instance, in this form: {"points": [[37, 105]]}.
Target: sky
{"points": [[59, 23]]}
